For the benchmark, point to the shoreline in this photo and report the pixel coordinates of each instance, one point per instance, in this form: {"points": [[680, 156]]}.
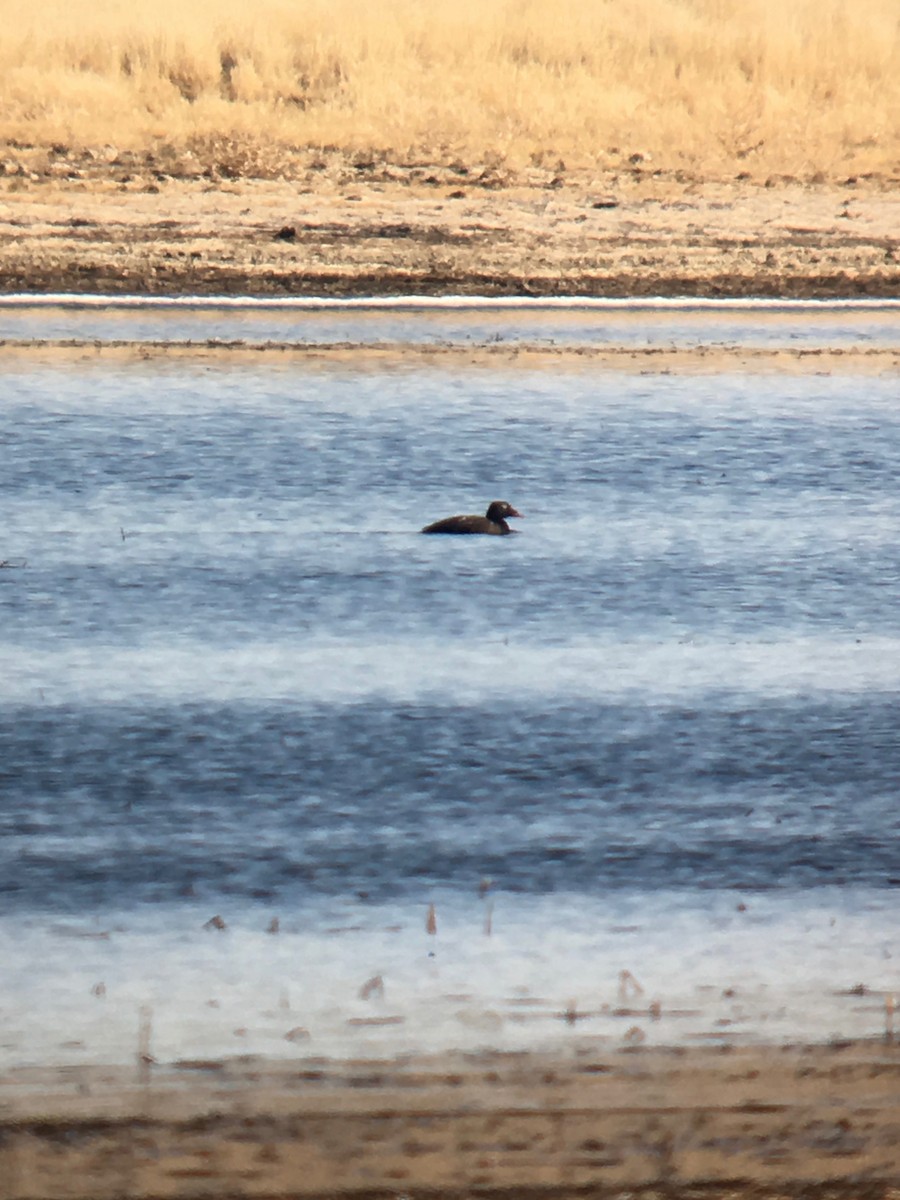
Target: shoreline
{"points": [[698, 360], [449, 303], [636, 234], [777, 1121]]}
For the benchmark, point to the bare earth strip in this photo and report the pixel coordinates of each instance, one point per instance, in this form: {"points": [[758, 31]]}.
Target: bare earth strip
{"points": [[690, 360], [812, 1122], [121, 229]]}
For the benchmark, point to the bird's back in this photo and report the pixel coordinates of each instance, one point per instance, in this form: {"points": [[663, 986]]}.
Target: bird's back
{"points": [[466, 524]]}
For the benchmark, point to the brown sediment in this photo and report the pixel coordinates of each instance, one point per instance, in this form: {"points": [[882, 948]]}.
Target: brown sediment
{"points": [[677, 360], [632, 233], [817, 1121]]}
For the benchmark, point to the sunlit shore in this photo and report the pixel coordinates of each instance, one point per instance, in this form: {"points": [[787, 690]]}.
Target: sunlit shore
{"points": [[636, 235], [810, 1121]]}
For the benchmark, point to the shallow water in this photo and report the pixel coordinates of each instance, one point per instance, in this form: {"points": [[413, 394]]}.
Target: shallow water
{"points": [[458, 321], [661, 720]]}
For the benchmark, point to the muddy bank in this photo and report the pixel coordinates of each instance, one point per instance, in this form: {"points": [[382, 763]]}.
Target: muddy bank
{"points": [[855, 360], [821, 1121], [124, 229]]}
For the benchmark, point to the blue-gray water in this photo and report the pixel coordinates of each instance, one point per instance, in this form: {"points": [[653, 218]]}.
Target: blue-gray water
{"points": [[190, 512], [236, 678]]}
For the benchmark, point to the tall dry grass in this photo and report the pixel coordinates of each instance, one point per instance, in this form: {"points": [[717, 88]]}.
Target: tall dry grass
{"points": [[708, 86]]}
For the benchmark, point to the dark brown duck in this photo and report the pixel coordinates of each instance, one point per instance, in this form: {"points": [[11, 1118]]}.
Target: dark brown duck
{"points": [[494, 521]]}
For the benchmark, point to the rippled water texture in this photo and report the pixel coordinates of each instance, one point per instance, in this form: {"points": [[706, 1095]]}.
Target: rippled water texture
{"points": [[237, 679]]}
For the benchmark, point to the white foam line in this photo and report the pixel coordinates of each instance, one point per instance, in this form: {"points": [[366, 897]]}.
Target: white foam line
{"points": [[480, 303]]}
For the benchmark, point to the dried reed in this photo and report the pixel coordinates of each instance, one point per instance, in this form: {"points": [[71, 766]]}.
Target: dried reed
{"points": [[372, 987], [700, 85], [628, 986], [145, 1059]]}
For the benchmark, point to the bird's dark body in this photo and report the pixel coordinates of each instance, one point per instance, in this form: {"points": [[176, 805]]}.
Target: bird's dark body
{"points": [[494, 521]]}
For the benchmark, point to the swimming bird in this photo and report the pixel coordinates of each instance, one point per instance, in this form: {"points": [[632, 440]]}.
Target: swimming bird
{"points": [[494, 521]]}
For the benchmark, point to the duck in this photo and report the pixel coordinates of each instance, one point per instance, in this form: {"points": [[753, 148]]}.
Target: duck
{"points": [[494, 521]]}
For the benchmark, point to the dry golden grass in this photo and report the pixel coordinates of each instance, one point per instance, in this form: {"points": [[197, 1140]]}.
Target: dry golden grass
{"points": [[707, 86]]}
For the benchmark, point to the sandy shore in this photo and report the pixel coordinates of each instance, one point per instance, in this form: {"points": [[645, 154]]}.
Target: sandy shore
{"points": [[699, 360], [347, 229], [815, 1121]]}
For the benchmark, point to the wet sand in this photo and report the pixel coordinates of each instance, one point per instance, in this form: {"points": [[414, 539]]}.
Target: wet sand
{"points": [[344, 229], [673, 360], [593, 1120]]}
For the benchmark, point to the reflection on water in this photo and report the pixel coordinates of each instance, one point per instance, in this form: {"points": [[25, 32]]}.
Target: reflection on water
{"points": [[237, 680]]}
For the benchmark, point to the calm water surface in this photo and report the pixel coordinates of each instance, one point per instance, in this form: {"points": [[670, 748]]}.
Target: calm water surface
{"points": [[236, 680], [760, 324]]}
